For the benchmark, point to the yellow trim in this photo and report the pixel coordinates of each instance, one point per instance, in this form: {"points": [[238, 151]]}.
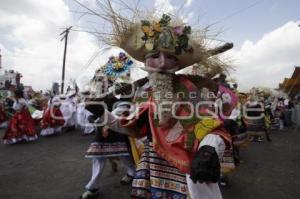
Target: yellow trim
{"points": [[136, 150], [205, 126]]}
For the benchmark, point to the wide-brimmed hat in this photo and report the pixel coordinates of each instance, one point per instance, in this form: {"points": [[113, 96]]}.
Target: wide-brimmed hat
{"points": [[176, 39], [142, 33], [168, 35]]}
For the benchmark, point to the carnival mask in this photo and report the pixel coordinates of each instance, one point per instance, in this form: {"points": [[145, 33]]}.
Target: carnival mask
{"points": [[161, 61]]}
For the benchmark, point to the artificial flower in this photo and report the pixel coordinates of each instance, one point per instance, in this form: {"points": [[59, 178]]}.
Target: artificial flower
{"points": [[149, 45], [156, 26], [151, 33], [118, 65], [146, 29], [178, 30]]}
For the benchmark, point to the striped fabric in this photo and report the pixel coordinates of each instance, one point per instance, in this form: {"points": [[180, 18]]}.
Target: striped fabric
{"points": [[155, 178], [256, 125], [107, 149], [227, 161]]}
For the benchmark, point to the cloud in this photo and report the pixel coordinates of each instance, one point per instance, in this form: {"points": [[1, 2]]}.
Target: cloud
{"points": [[188, 3], [30, 44], [270, 59], [164, 6], [30, 41]]}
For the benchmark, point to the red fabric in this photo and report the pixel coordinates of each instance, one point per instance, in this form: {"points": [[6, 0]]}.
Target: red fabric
{"points": [[143, 108], [3, 116], [175, 152], [20, 124], [191, 87], [52, 118]]}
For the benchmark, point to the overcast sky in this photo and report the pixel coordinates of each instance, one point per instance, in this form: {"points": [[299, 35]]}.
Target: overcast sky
{"points": [[265, 33]]}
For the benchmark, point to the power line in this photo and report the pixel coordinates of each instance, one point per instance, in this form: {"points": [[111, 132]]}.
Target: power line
{"points": [[92, 32], [239, 11], [81, 12], [89, 9]]}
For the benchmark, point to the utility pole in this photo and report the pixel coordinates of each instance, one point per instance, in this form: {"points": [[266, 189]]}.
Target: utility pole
{"points": [[65, 37], [0, 59]]}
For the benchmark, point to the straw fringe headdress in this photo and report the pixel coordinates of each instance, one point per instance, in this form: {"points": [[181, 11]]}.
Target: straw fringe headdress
{"points": [[140, 35]]}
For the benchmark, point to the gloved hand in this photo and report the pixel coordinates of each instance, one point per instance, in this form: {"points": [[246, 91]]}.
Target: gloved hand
{"points": [[231, 126], [97, 109], [205, 165]]}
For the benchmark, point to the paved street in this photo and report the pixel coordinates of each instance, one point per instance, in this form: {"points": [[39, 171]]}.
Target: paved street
{"points": [[55, 168]]}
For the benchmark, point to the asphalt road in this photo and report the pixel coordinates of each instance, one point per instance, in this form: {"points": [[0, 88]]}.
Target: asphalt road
{"points": [[55, 168]]}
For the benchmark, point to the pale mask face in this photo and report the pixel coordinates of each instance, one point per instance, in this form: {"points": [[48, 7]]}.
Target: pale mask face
{"points": [[161, 62]]}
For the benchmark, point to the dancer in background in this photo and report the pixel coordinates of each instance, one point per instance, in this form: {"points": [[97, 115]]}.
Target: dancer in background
{"points": [[3, 116], [21, 126], [53, 120], [109, 144], [68, 109]]}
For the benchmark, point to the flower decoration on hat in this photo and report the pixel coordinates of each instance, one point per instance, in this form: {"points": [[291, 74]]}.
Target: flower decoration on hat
{"points": [[140, 33], [117, 66], [161, 36]]}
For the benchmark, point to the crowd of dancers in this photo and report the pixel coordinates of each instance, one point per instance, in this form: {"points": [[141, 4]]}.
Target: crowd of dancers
{"points": [[178, 135], [64, 113], [24, 121]]}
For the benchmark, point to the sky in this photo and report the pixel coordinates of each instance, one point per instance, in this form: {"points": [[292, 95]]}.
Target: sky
{"points": [[265, 34]]}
